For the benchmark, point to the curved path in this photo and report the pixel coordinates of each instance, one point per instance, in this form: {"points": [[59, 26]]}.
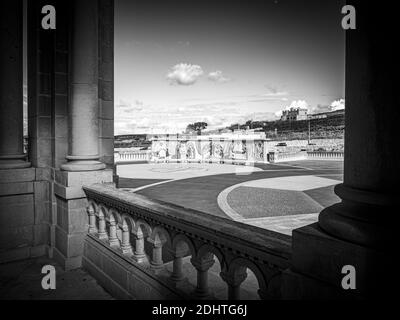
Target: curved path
{"points": [[202, 192]]}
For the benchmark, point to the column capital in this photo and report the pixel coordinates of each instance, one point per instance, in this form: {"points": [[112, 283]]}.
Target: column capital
{"points": [[233, 279], [202, 265]]}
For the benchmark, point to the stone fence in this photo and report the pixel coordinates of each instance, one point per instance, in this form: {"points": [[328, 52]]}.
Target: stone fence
{"points": [[328, 155], [230, 152], [132, 156], [147, 234]]}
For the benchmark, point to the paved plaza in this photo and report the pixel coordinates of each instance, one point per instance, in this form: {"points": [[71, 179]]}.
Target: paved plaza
{"points": [[278, 197]]}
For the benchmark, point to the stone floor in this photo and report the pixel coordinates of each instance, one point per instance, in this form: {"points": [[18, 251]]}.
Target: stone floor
{"points": [[21, 280], [283, 197]]}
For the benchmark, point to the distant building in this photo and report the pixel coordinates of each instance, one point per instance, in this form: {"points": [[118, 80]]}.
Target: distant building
{"points": [[294, 114], [324, 115]]}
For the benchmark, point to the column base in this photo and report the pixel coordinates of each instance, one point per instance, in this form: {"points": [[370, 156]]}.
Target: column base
{"points": [[359, 218], [317, 262], [82, 165], [141, 258], [72, 216]]}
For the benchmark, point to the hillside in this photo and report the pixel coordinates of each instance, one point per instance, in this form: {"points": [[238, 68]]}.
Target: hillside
{"points": [[331, 127]]}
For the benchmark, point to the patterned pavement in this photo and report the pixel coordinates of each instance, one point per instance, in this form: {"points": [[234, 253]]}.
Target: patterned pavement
{"points": [[278, 197]]}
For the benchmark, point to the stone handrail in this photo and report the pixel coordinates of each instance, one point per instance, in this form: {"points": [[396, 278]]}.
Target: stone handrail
{"points": [[325, 155], [132, 156], [132, 223]]}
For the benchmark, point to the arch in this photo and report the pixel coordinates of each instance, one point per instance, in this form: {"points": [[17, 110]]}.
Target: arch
{"points": [[92, 208], [179, 239], [128, 221], [206, 248], [102, 209], [162, 234], [142, 227], [241, 264], [115, 215]]}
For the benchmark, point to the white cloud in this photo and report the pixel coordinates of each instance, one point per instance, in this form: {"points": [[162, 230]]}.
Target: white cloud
{"points": [[278, 114], [217, 76], [295, 104], [298, 104], [184, 74], [338, 105]]}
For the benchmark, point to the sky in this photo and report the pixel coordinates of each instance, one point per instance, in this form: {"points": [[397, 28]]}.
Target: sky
{"points": [[224, 62]]}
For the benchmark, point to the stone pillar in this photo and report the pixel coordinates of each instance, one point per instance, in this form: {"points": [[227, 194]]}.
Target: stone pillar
{"points": [[83, 167], [126, 247], [92, 221], [234, 281], [156, 259], [202, 267], [139, 254], [371, 163], [11, 90], [177, 272], [113, 239], [358, 231], [84, 101]]}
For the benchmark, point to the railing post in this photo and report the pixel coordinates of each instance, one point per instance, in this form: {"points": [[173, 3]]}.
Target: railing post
{"points": [[113, 239], [139, 255], [92, 221], [234, 281], [126, 247], [202, 267], [156, 259], [177, 272], [102, 234]]}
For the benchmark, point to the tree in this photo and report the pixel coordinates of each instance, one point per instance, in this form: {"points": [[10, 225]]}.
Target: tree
{"points": [[197, 127]]}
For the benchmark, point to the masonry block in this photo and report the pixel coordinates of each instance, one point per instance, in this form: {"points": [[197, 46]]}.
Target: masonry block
{"points": [[17, 175], [16, 211], [106, 109], [72, 216], [41, 234], [70, 245], [61, 105], [83, 178], [15, 237], [321, 257], [9, 189]]}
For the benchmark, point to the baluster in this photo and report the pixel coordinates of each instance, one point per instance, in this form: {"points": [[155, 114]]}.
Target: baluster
{"points": [[92, 221], [234, 281], [126, 242], [113, 239], [139, 255], [156, 259], [102, 234], [202, 266], [177, 272]]}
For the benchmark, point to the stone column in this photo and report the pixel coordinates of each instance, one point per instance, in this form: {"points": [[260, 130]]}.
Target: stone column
{"points": [[84, 99], [202, 267], [11, 90], [371, 163], [157, 263], [177, 271], [139, 255], [234, 281], [126, 247], [359, 231]]}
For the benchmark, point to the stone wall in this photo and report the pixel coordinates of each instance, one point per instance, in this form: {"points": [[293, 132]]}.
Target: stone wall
{"points": [[32, 200], [25, 213]]}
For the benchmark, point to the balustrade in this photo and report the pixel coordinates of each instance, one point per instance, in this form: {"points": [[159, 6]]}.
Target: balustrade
{"points": [[126, 222]]}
